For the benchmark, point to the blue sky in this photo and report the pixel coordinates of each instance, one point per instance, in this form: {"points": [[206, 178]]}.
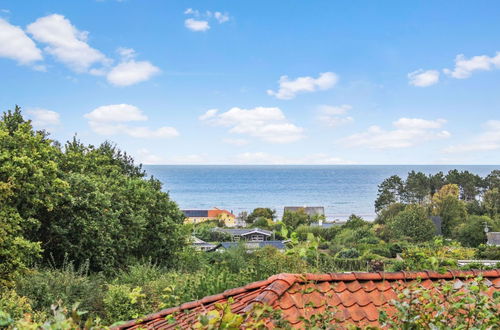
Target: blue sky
{"points": [[260, 82]]}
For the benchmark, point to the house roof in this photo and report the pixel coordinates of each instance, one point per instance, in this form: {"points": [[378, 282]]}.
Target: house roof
{"points": [[277, 244], [195, 213], [213, 213], [244, 232], [358, 297]]}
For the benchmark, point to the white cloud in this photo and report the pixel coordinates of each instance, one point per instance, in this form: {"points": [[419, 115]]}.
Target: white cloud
{"points": [[421, 78], [66, 43], [200, 22], [209, 114], [408, 132], [16, 45], [191, 11], [465, 67], [43, 118], [109, 119], [486, 141], [220, 17], [196, 25], [290, 88], [267, 124], [131, 72], [116, 113], [126, 53], [333, 115]]}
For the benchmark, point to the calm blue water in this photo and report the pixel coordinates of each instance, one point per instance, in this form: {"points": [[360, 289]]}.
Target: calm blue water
{"points": [[342, 190]]}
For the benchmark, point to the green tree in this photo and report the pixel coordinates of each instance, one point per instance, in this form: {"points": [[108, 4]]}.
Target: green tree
{"points": [[453, 212], [470, 184], [389, 212], [413, 223], [261, 212], [112, 215], [491, 202], [294, 219], [417, 188], [389, 191], [493, 180], [471, 233]]}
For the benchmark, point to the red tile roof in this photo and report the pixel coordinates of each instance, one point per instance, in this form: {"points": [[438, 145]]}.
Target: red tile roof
{"points": [[215, 212], [358, 297]]}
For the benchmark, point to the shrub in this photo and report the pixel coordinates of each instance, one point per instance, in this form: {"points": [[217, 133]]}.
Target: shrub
{"points": [[348, 253], [45, 286], [413, 223]]}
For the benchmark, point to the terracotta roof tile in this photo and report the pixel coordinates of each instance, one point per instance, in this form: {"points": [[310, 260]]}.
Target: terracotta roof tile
{"points": [[354, 297]]}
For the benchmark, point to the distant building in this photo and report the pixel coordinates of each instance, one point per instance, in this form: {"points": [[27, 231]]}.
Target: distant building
{"points": [[201, 245], [309, 210], [493, 238], [250, 246], [247, 234], [197, 216]]}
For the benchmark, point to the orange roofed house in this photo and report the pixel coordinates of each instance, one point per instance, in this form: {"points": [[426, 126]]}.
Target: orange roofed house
{"points": [[197, 216], [357, 298]]}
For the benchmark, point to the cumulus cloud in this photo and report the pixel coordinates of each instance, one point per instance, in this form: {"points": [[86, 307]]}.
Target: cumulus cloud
{"points": [[196, 25], [465, 67], [334, 115], [116, 113], [486, 141], [199, 22], [288, 89], [66, 43], [16, 45], [421, 78], [267, 124], [111, 119], [43, 118], [131, 72], [407, 133]]}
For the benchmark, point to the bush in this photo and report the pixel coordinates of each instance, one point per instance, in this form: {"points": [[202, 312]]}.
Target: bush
{"points": [[413, 223], [46, 286], [123, 302], [348, 253]]}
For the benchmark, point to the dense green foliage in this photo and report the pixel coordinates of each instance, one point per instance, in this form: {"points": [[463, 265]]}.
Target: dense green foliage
{"points": [[83, 203], [261, 213]]}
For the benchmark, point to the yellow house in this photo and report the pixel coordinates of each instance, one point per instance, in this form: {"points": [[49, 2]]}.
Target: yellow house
{"points": [[197, 216]]}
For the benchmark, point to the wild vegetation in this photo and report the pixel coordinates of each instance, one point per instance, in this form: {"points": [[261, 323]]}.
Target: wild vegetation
{"points": [[84, 229]]}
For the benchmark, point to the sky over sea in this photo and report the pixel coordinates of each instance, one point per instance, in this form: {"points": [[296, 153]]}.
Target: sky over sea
{"points": [[260, 82]]}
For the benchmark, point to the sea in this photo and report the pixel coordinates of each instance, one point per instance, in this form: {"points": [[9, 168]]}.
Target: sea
{"points": [[341, 189]]}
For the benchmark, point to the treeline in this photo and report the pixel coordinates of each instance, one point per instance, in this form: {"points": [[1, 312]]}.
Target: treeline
{"points": [[419, 187], [78, 202], [464, 202]]}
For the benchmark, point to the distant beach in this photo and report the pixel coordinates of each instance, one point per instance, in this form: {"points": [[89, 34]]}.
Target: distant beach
{"points": [[341, 189]]}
